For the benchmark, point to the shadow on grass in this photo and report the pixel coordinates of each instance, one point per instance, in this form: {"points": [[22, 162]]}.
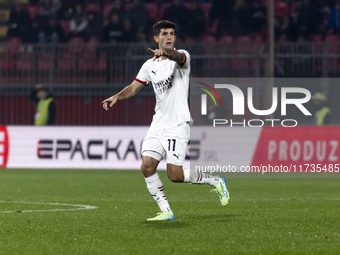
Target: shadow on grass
{"points": [[188, 220], [216, 217], [165, 224]]}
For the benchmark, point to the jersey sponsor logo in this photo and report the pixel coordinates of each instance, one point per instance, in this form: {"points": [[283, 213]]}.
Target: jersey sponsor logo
{"points": [[162, 86], [4, 146]]}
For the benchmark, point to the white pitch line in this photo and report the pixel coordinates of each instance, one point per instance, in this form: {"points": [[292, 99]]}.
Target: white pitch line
{"points": [[78, 207]]}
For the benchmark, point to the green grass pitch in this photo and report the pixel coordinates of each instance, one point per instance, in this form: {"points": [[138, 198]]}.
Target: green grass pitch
{"points": [[264, 216]]}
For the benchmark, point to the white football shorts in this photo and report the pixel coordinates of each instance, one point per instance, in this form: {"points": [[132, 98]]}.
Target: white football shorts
{"points": [[173, 142]]}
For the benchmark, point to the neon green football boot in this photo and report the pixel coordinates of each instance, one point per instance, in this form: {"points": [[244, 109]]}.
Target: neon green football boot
{"points": [[162, 216], [222, 191]]}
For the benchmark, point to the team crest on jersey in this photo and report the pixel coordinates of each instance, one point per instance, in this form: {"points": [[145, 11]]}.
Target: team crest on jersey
{"points": [[163, 85]]}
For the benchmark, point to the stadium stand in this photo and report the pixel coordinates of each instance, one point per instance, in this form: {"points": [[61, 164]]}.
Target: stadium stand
{"points": [[284, 9]]}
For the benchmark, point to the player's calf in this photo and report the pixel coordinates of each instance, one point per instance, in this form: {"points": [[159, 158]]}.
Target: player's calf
{"points": [[175, 173]]}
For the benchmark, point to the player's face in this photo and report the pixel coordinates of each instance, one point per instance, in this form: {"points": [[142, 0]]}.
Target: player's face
{"points": [[166, 39]]}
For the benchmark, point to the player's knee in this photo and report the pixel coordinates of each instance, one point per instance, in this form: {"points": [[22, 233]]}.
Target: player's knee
{"points": [[147, 169]]}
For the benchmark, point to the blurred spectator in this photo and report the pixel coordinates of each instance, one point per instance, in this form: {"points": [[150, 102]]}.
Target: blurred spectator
{"points": [[242, 22], [118, 7], [42, 18], [52, 5], [259, 16], [129, 34], [53, 34], [309, 17], [94, 25], [19, 23], [34, 32], [292, 30], [195, 20], [78, 23], [65, 12], [139, 16], [219, 8], [322, 115], [114, 31], [217, 112], [281, 25], [46, 109], [334, 17], [177, 13], [222, 13]]}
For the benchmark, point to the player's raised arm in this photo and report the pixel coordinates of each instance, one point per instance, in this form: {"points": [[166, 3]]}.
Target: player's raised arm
{"points": [[170, 54], [127, 92]]}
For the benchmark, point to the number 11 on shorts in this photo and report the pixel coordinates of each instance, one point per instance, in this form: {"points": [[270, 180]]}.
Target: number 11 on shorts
{"points": [[173, 144]]}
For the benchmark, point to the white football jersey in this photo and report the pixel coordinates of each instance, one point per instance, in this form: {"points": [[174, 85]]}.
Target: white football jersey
{"points": [[170, 82]]}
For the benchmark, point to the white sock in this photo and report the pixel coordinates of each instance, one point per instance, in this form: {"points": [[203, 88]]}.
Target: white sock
{"points": [[156, 189], [192, 176]]}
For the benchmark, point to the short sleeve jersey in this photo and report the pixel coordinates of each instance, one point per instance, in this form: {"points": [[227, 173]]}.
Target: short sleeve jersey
{"points": [[170, 82]]}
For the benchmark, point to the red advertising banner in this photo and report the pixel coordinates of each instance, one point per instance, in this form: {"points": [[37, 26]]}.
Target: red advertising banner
{"points": [[4, 145], [299, 148]]}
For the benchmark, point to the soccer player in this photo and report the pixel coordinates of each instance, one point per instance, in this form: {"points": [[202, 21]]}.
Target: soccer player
{"points": [[168, 72]]}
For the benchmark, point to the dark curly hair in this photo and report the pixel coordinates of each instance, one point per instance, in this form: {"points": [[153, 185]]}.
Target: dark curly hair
{"points": [[162, 24]]}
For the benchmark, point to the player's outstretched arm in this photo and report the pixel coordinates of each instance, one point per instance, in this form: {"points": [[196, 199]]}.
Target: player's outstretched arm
{"points": [[170, 54], [127, 92]]}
